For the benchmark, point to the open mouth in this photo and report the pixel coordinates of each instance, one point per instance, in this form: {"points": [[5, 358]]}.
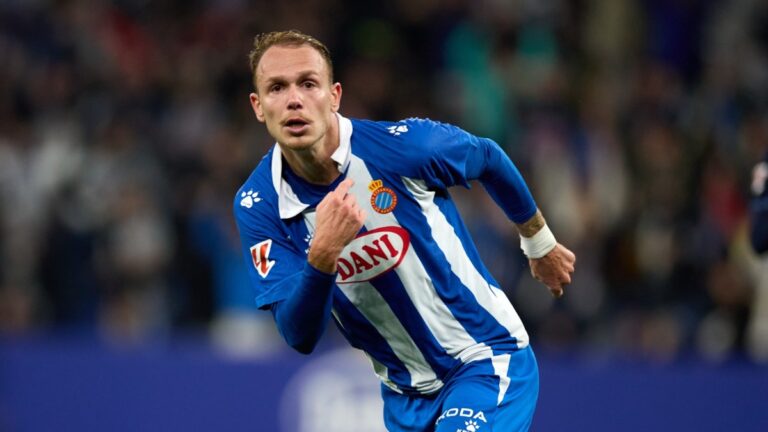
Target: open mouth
{"points": [[296, 125]]}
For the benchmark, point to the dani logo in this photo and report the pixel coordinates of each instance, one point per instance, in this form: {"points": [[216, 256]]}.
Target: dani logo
{"points": [[372, 253]]}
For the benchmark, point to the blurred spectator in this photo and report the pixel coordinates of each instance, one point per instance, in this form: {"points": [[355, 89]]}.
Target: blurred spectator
{"points": [[758, 325]]}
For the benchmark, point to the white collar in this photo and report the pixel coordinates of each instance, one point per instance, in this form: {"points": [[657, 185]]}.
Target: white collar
{"points": [[288, 202]]}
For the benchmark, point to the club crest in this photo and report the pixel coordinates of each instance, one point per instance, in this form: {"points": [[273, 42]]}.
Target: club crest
{"points": [[383, 199]]}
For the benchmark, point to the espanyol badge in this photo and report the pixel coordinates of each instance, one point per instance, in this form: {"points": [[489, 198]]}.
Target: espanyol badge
{"points": [[383, 199]]}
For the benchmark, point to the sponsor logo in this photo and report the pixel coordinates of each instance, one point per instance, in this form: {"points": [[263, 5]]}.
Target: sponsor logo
{"points": [[383, 199], [260, 256], [397, 129], [470, 425], [247, 199], [372, 254]]}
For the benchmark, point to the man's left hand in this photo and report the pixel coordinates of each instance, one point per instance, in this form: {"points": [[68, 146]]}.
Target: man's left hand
{"points": [[554, 269]]}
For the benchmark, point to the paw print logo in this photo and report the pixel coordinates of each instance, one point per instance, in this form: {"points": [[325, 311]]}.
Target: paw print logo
{"points": [[248, 198], [397, 130], [471, 426]]}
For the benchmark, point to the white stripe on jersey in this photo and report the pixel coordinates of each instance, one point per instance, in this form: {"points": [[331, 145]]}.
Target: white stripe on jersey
{"points": [[378, 367], [382, 372], [492, 299], [376, 310], [449, 333]]}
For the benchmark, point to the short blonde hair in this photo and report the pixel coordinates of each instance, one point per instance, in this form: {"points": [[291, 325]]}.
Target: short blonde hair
{"points": [[295, 38]]}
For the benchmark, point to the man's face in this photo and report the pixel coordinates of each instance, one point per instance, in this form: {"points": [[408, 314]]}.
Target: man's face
{"points": [[294, 96]]}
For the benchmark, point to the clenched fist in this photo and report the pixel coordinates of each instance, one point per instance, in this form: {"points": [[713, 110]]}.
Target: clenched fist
{"points": [[338, 219], [554, 269]]}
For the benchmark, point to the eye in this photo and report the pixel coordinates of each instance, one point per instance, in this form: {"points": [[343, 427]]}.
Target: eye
{"points": [[275, 88], [309, 84]]}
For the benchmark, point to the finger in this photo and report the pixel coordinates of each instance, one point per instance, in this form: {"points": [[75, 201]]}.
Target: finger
{"points": [[350, 199], [557, 292], [344, 186], [570, 255]]}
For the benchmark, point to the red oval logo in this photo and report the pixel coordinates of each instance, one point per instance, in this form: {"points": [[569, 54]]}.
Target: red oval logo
{"points": [[372, 254]]}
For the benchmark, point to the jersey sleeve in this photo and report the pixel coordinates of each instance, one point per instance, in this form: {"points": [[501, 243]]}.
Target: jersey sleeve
{"points": [[449, 156], [270, 256]]}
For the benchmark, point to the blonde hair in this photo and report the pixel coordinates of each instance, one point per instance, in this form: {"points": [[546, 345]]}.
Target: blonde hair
{"points": [[294, 38]]}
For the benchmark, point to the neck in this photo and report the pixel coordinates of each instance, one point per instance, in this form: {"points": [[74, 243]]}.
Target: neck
{"points": [[314, 164]]}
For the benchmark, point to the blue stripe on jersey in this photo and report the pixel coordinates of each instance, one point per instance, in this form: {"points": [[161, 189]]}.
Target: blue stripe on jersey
{"points": [[363, 335], [392, 290]]}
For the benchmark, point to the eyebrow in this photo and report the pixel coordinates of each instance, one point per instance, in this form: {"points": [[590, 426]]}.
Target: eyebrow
{"points": [[301, 76]]}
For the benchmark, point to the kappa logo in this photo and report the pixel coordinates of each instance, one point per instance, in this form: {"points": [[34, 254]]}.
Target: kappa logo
{"points": [[470, 425], [397, 129], [372, 254], [308, 240], [260, 257], [247, 199]]}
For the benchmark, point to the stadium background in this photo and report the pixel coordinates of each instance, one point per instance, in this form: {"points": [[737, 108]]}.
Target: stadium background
{"points": [[125, 131]]}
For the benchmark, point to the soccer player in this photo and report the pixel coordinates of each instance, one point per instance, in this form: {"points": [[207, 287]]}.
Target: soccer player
{"points": [[351, 219]]}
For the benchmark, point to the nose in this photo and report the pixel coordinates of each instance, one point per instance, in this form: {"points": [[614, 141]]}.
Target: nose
{"points": [[294, 98]]}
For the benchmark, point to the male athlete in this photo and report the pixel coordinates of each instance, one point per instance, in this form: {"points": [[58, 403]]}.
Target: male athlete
{"points": [[352, 219]]}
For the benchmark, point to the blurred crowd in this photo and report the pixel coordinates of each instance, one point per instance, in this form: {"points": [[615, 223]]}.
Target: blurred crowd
{"points": [[125, 131]]}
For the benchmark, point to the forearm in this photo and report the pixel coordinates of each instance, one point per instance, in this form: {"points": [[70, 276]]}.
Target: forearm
{"points": [[323, 256], [532, 226], [536, 239], [502, 180], [303, 316], [504, 183]]}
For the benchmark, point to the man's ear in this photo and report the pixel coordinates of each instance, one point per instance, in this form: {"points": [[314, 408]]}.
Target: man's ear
{"points": [[335, 96], [256, 105]]}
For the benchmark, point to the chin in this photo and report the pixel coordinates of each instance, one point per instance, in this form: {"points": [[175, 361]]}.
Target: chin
{"points": [[298, 142]]}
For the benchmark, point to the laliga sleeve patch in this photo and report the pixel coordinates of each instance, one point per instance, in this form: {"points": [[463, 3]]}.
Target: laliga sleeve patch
{"points": [[260, 256]]}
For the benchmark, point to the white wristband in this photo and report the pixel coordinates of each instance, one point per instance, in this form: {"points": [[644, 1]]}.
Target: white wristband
{"points": [[539, 245]]}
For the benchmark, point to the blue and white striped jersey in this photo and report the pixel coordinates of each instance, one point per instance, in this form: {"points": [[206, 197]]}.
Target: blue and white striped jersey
{"points": [[411, 290]]}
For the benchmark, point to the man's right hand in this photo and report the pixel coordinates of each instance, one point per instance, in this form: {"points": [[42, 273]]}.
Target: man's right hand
{"points": [[338, 219]]}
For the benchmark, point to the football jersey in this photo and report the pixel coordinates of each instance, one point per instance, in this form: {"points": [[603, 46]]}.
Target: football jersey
{"points": [[411, 290]]}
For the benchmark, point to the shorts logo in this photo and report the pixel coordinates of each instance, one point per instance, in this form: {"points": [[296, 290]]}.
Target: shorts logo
{"points": [[383, 199], [260, 256], [372, 254], [470, 425]]}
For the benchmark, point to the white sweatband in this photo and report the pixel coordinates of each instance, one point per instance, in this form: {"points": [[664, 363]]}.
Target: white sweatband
{"points": [[540, 244]]}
